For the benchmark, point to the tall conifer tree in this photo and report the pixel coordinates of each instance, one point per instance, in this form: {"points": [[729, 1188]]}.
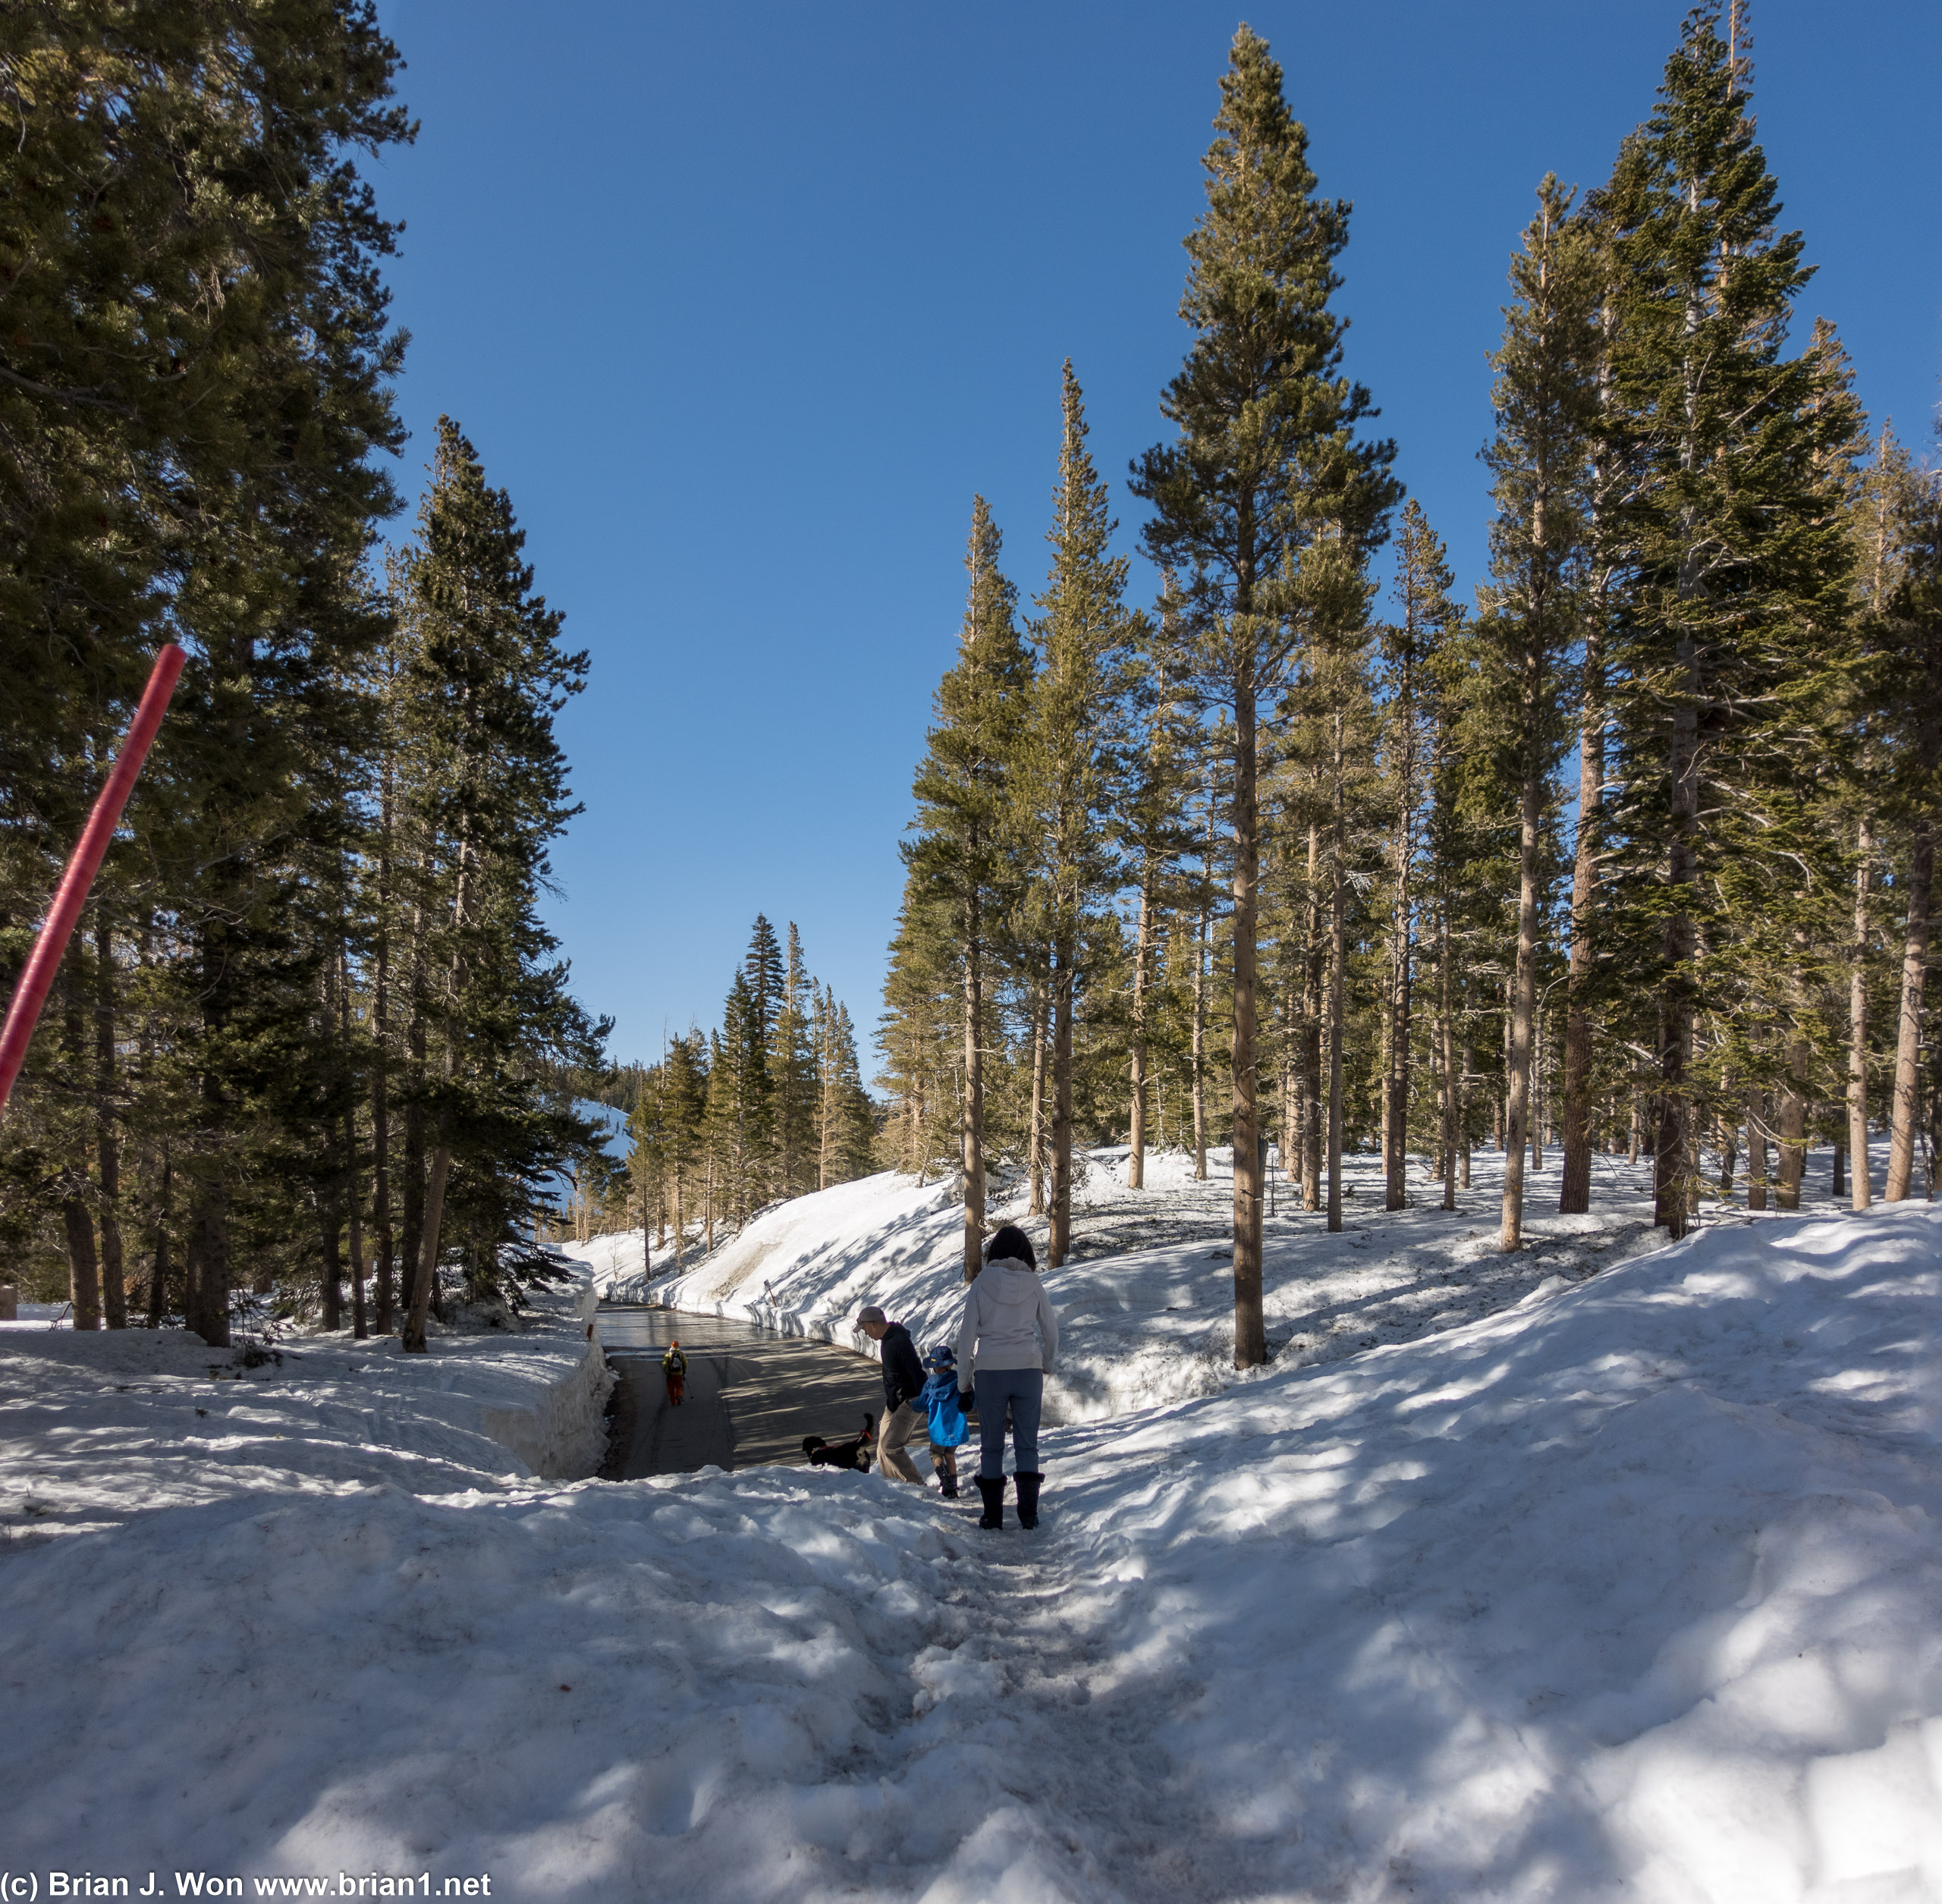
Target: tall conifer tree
{"points": [[1736, 606], [1065, 778], [1264, 456], [1545, 397], [965, 859]]}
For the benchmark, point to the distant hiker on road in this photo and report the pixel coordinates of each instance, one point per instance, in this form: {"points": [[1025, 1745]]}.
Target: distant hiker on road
{"points": [[1007, 1342], [949, 1429], [903, 1383], [674, 1366]]}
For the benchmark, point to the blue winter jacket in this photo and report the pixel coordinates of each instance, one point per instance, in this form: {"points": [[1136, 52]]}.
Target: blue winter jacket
{"points": [[948, 1427]]}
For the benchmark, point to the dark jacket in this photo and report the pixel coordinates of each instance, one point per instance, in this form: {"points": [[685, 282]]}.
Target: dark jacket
{"points": [[903, 1373]]}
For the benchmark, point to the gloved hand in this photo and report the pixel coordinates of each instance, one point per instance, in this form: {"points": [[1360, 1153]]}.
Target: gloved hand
{"points": [[967, 1400]]}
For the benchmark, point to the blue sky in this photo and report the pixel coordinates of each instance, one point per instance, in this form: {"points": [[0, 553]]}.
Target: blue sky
{"points": [[743, 305]]}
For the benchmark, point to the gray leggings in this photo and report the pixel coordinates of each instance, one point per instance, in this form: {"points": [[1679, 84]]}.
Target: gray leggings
{"points": [[1022, 1391]]}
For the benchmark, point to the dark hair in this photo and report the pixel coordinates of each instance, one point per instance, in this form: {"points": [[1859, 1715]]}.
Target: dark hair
{"points": [[1011, 1245]]}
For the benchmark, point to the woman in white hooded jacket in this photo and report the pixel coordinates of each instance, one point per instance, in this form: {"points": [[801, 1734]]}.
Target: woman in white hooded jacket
{"points": [[1006, 1346]]}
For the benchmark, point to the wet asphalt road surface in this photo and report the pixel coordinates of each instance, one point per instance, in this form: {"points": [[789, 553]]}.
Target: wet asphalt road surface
{"points": [[751, 1396]]}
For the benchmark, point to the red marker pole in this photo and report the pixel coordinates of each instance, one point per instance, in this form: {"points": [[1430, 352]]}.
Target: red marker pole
{"points": [[30, 993]]}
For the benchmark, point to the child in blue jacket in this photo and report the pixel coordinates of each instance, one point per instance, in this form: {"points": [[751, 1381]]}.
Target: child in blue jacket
{"points": [[949, 1430]]}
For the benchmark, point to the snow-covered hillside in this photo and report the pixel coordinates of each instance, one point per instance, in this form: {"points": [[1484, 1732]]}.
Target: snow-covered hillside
{"points": [[1146, 1302], [1632, 1589]]}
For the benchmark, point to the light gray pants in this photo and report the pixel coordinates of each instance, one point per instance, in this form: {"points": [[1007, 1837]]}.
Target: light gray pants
{"points": [[894, 1436]]}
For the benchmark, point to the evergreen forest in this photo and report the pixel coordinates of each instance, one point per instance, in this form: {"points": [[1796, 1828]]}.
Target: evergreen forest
{"points": [[314, 1050], [1631, 854]]}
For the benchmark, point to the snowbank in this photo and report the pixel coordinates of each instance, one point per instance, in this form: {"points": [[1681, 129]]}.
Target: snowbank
{"points": [[1145, 1302], [1630, 1590], [95, 1426]]}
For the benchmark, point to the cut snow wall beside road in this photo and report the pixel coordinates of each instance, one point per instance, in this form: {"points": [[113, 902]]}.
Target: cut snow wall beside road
{"points": [[562, 1437]]}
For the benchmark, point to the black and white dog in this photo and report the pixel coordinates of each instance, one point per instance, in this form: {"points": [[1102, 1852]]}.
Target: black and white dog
{"points": [[856, 1453]]}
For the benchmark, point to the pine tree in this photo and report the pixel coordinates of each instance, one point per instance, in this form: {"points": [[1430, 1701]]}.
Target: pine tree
{"points": [[964, 859], [1408, 653], [1546, 399], [792, 1075], [1155, 835], [1265, 455], [684, 1122], [192, 266], [1064, 779], [1735, 621], [487, 676], [1907, 642]]}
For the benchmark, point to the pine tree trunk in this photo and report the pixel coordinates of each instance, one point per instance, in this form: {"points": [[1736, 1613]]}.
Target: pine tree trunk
{"points": [[1729, 1153], [1136, 1167], [1523, 1004], [1289, 1122], [973, 1130], [1337, 977], [380, 1027], [1905, 1109], [1756, 1150], [158, 1269], [1202, 934], [360, 1326], [1060, 1243], [1672, 1161], [1793, 1119], [1314, 1002], [425, 1282], [1538, 1102], [1250, 1328], [1857, 1092], [1040, 1004], [205, 1298], [359, 1331], [425, 1278], [1396, 1071], [330, 1211], [83, 1268], [330, 1227], [83, 1272], [1574, 1193], [412, 1242], [1451, 1081], [113, 1273]]}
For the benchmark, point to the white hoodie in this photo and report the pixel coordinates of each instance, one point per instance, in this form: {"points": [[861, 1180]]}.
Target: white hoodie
{"points": [[1008, 1321]]}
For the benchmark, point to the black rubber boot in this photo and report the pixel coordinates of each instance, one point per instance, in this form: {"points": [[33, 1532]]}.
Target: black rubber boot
{"points": [[993, 1493], [948, 1488], [1028, 1499]]}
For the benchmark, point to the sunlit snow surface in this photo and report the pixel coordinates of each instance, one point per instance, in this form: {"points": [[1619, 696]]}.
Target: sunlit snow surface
{"points": [[1146, 1302], [1630, 1589]]}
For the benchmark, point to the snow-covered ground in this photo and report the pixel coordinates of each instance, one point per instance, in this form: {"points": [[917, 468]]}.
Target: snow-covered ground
{"points": [[1631, 1588], [1146, 1301], [98, 1427]]}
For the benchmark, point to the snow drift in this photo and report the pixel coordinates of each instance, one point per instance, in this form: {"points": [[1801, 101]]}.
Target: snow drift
{"points": [[1630, 1590]]}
